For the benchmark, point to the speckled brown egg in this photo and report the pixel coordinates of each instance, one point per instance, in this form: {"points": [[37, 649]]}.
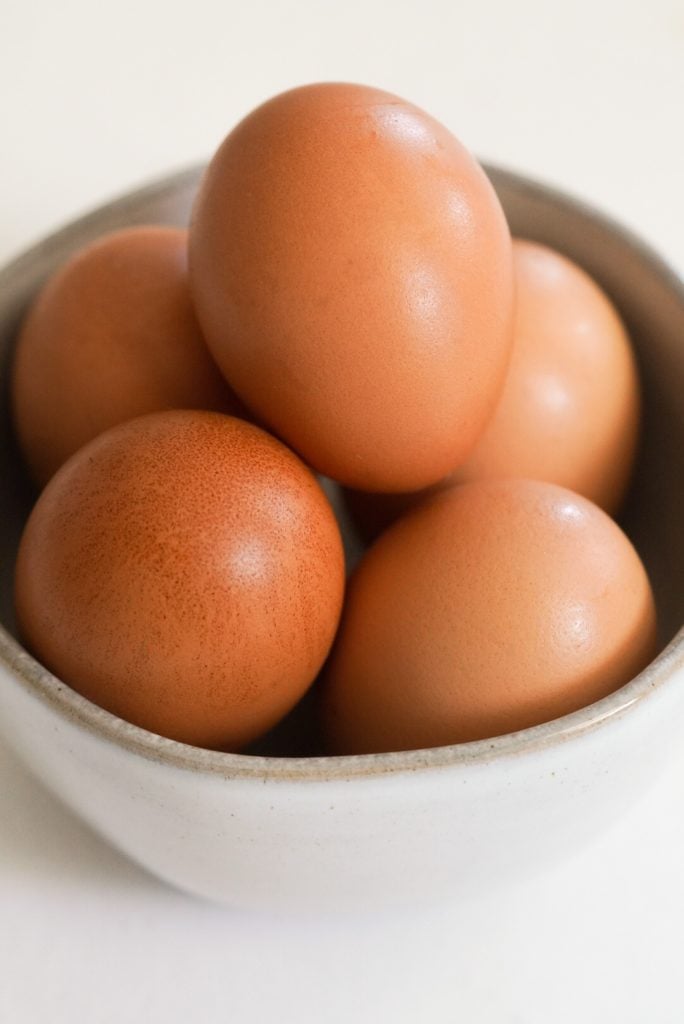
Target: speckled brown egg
{"points": [[184, 570], [351, 269], [491, 607], [112, 335], [569, 411]]}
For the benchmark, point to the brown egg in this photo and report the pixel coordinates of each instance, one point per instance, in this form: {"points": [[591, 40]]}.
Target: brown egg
{"points": [[184, 570], [569, 412], [351, 269], [491, 607], [111, 336]]}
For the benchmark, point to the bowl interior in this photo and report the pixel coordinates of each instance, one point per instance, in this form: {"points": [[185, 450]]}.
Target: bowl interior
{"points": [[649, 297]]}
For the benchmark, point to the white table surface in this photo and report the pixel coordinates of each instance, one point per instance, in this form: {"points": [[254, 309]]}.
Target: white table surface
{"points": [[96, 98]]}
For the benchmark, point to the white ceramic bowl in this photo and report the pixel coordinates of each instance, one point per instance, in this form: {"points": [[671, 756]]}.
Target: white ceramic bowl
{"points": [[305, 833]]}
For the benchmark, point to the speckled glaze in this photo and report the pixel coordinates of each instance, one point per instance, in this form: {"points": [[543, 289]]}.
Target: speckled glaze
{"points": [[111, 336], [359, 831], [185, 571]]}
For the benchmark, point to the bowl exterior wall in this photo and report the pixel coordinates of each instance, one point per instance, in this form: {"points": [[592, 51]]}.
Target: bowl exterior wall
{"points": [[348, 843]]}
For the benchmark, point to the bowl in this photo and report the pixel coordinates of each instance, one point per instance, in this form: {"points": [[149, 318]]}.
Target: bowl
{"points": [[304, 833]]}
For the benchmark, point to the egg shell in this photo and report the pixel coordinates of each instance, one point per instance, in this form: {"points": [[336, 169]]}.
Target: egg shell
{"points": [[351, 270], [493, 606], [184, 571], [570, 408], [112, 335]]}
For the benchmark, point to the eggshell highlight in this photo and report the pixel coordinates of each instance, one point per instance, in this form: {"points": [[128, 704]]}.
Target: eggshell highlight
{"points": [[570, 408], [351, 269], [184, 571], [494, 606]]}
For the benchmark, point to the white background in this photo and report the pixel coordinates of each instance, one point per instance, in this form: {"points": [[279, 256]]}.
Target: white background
{"points": [[98, 97]]}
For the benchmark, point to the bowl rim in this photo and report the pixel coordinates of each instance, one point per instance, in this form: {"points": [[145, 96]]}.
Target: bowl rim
{"points": [[47, 688]]}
